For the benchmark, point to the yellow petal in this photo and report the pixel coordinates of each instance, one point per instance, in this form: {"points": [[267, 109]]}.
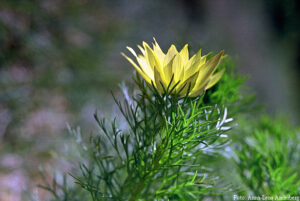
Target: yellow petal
{"points": [[159, 84], [207, 69], [145, 66], [215, 78], [168, 72], [154, 62], [141, 49], [177, 68], [132, 51], [198, 91], [170, 55], [199, 61], [149, 55], [188, 84], [159, 53], [197, 57], [184, 53], [202, 61], [137, 68], [190, 61], [193, 65]]}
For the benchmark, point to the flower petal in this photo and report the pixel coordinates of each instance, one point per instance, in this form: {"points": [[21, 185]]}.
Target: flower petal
{"points": [[154, 62], [188, 84], [132, 51], [177, 68], [168, 72], [170, 55], [141, 49], [159, 83], [137, 68], [198, 91], [159, 53], [215, 78], [145, 66], [192, 65], [207, 69], [184, 53]]}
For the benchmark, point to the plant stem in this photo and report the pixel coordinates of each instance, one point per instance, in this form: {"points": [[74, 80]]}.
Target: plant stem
{"points": [[143, 182]]}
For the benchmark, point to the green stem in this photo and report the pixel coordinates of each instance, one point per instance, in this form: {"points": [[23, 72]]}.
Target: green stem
{"points": [[137, 190], [141, 185]]}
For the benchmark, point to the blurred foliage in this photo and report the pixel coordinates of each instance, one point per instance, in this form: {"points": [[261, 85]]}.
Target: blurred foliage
{"points": [[57, 48], [53, 69], [267, 156]]}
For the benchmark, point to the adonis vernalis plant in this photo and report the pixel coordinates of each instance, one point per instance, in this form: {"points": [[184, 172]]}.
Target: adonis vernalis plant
{"points": [[176, 139], [175, 70]]}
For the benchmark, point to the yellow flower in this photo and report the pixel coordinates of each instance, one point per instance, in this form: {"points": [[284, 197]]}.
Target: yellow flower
{"points": [[175, 69]]}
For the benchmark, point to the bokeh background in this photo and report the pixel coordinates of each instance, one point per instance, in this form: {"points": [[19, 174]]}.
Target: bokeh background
{"points": [[59, 60]]}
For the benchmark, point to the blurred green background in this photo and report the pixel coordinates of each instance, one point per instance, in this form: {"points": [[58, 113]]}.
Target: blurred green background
{"points": [[59, 60]]}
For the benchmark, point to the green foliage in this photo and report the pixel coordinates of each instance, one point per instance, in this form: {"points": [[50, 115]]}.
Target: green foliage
{"points": [[268, 157], [159, 155]]}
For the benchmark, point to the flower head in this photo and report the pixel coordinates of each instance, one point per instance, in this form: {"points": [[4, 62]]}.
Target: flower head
{"points": [[176, 70]]}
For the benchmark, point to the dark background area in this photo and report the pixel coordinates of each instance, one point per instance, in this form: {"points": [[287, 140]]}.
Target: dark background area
{"points": [[59, 59]]}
